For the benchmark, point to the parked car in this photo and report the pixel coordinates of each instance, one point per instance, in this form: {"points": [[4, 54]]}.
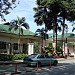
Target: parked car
{"points": [[40, 59]]}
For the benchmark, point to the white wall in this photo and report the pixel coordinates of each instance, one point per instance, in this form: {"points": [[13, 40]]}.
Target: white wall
{"points": [[30, 48]]}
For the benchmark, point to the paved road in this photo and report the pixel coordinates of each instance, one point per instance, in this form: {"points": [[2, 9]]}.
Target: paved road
{"points": [[65, 67]]}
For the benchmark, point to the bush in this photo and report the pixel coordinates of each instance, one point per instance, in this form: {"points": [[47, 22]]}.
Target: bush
{"points": [[19, 56], [5, 57]]}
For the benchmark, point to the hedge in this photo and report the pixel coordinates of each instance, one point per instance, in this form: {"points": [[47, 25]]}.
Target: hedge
{"points": [[5, 57], [19, 56]]}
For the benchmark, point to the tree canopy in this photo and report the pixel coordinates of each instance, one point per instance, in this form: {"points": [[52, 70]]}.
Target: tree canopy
{"points": [[18, 24], [5, 6], [47, 10], [52, 12], [73, 27]]}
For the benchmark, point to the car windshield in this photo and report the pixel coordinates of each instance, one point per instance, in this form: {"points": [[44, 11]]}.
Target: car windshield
{"points": [[32, 56]]}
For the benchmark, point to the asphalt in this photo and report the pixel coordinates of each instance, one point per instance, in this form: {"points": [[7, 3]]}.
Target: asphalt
{"points": [[28, 72], [68, 58]]}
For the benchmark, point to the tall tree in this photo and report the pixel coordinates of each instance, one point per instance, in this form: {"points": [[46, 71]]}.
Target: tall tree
{"points": [[50, 12], [5, 6], [18, 24], [42, 33], [45, 15]]}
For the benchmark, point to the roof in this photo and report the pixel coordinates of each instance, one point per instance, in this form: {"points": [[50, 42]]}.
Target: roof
{"points": [[5, 28], [67, 35], [60, 36]]}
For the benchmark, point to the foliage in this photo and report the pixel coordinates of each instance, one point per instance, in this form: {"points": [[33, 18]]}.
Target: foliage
{"points": [[5, 6], [42, 33], [19, 56], [36, 47], [52, 12], [5, 57], [18, 24], [49, 49], [73, 27], [59, 50]]}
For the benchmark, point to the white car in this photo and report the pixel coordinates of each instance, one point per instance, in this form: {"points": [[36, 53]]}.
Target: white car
{"points": [[40, 59]]}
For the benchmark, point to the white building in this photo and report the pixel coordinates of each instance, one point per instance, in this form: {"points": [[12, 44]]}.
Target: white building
{"points": [[11, 42]]}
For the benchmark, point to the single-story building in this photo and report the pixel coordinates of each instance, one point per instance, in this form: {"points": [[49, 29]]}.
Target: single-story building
{"points": [[70, 41], [11, 42]]}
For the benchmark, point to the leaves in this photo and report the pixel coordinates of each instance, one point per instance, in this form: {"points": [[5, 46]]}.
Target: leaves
{"points": [[18, 24], [51, 12], [41, 33], [25, 25], [73, 29], [5, 6]]}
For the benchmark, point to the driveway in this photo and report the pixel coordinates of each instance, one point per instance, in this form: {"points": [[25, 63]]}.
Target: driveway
{"points": [[64, 67]]}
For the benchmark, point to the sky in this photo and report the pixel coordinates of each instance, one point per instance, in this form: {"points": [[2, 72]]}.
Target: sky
{"points": [[25, 9]]}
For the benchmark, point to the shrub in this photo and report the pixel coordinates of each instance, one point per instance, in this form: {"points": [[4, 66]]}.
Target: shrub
{"points": [[4, 57], [19, 56]]}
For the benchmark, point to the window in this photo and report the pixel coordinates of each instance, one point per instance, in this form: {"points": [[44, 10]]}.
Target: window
{"points": [[46, 56], [32, 56], [25, 48], [15, 46], [2, 45], [41, 56]]}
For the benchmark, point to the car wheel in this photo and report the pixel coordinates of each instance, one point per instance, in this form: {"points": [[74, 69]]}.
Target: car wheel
{"points": [[55, 63]]}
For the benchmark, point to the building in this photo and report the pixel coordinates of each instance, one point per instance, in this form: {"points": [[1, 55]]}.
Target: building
{"points": [[11, 42], [70, 41]]}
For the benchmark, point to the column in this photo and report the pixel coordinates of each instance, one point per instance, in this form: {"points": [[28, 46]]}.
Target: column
{"points": [[30, 48], [8, 48]]}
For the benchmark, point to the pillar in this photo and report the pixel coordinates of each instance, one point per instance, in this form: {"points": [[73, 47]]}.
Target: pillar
{"points": [[30, 48]]}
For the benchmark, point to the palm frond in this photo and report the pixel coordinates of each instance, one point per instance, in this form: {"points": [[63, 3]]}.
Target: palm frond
{"points": [[25, 25], [38, 30], [73, 24], [73, 29], [7, 23]]}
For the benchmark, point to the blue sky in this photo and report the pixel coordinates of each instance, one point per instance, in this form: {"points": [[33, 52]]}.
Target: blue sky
{"points": [[25, 9]]}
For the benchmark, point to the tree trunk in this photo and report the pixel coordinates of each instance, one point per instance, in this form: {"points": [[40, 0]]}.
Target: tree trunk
{"points": [[53, 32], [56, 36], [63, 28], [19, 41]]}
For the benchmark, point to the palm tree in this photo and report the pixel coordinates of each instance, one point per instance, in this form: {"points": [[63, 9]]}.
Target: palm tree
{"points": [[43, 15], [18, 24], [42, 33], [73, 27], [48, 12]]}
